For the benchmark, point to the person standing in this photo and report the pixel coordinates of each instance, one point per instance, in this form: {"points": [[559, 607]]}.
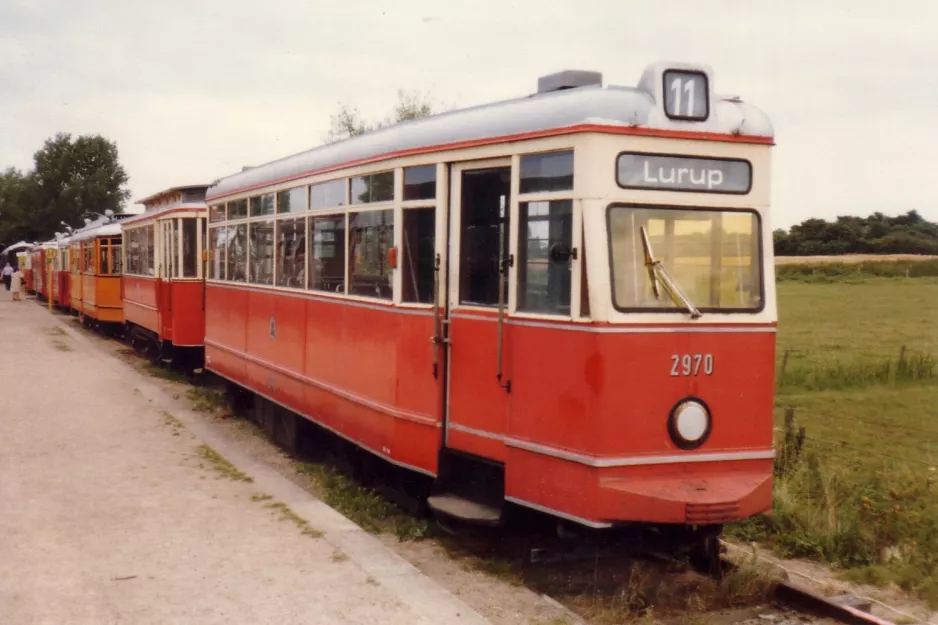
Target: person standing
{"points": [[16, 284], [7, 275]]}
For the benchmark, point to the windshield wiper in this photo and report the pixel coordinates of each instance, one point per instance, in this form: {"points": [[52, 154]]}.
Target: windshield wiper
{"points": [[656, 272]]}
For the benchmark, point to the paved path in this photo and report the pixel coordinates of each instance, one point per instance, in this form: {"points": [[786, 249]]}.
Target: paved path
{"points": [[108, 513]]}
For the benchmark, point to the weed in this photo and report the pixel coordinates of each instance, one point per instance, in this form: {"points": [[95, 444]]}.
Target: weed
{"points": [[55, 331], [164, 373], [207, 400], [260, 497], [339, 556], [61, 346], [220, 464], [287, 514], [363, 506]]}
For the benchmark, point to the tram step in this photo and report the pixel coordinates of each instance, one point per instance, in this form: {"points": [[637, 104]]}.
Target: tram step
{"points": [[464, 509]]}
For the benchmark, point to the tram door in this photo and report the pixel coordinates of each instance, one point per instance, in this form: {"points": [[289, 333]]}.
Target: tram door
{"points": [[478, 372]]}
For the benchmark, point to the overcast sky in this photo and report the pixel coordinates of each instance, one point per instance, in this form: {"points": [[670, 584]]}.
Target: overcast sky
{"points": [[191, 90]]}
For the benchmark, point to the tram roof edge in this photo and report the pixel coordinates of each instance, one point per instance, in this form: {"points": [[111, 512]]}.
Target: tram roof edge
{"points": [[614, 106]]}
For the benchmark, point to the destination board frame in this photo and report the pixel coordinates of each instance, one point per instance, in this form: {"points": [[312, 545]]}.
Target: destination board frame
{"points": [[686, 157]]}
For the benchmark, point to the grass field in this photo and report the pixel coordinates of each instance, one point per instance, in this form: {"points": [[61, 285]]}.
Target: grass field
{"points": [[857, 360]]}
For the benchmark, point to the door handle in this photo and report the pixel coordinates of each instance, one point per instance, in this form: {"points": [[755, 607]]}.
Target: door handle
{"points": [[502, 283]]}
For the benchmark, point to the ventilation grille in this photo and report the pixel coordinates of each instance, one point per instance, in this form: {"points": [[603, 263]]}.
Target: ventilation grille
{"points": [[710, 513]]}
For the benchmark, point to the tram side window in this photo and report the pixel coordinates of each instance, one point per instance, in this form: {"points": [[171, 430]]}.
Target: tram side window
{"points": [[372, 188], [291, 253], [237, 253], [133, 255], [292, 201], [149, 245], [544, 261], [104, 257], [371, 235], [327, 253], [217, 245], [190, 244], [262, 205], [88, 254], [483, 235], [116, 264], [546, 172], [419, 232], [262, 252]]}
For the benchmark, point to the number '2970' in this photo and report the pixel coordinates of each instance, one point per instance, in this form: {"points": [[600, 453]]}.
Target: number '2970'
{"points": [[691, 364]]}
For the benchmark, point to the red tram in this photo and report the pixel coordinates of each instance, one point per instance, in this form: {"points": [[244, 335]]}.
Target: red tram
{"points": [[162, 284], [563, 301]]}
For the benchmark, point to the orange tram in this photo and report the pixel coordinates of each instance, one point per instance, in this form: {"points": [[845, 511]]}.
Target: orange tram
{"points": [[562, 303]]}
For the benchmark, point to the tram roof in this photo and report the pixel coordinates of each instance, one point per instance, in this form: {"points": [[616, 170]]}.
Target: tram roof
{"points": [[591, 107]]}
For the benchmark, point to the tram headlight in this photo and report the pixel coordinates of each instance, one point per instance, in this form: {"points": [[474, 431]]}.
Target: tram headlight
{"points": [[689, 423]]}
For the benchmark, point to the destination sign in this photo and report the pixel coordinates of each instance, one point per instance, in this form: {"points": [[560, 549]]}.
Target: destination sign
{"points": [[665, 172]]}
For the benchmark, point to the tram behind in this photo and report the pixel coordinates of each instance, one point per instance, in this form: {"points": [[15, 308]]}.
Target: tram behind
{"points": [[563, 301], [162, 288]]}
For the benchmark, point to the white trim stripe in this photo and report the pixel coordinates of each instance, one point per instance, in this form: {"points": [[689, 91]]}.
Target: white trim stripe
{"points": [[623, 461], [622, 329], [331, 429], [397, 413], [342, 300], [558, 513]]}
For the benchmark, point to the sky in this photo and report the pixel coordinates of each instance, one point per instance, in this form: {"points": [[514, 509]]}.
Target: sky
{"points": [[192, 90]]}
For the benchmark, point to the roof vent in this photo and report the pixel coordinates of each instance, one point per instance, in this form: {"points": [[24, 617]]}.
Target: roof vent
{"points": [[568, 79]]}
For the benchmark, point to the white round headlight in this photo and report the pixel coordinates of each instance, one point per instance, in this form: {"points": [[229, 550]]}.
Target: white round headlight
{"points": [[689, 424]]}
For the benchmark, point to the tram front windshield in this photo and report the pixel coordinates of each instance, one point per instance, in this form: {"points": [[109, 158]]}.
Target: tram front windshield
{"points": [[714, 256]]}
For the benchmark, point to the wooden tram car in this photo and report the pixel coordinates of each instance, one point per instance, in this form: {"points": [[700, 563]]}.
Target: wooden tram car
{"points": [[563, 302], [94, 270], [162, 284]]}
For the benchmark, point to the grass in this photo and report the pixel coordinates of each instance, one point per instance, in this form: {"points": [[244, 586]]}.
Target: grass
{"points": [[222, 466], [287, 514], [62, 346], [163, 373], [857, 362], [363, 506], [55, 331], [208, 400], [838, 272], [173, 422]]}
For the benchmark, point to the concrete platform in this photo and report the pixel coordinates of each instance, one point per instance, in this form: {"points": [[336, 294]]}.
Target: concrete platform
{"points": [[109, 514]]}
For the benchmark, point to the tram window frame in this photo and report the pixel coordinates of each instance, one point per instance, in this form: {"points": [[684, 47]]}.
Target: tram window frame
{"points": [[236, 268], [298, 196], [375, 238], [291, 274], [534, 163], [336, 245], [755, 239], [370, 188], [263, 205], [189, 244], [116, 250], [559, 299], [87, 252], [217, 213], [261, 271], [217, 239], [417, 275]]}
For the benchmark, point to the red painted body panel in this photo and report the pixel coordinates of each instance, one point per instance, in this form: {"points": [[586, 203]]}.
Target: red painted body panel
{"points": [[61, 281], [601, 398], [173, 310], [363, 370]]}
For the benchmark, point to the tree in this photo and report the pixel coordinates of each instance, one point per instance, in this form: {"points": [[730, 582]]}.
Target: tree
{"points": [[73, 180], [878, 234], [347, 122]]}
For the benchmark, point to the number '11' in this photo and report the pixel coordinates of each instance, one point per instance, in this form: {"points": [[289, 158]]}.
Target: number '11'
{"points": [[689, 90]]}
